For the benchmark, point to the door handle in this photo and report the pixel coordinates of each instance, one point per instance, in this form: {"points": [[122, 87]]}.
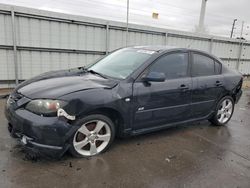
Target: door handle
{"points": [[183, 87], [218, 83]]}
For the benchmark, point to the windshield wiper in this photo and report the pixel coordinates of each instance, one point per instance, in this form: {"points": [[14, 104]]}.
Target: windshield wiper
{"points": [[94, 72]]}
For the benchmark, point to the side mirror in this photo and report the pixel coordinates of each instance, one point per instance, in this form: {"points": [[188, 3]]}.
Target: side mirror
{"points": [[154, 77]]}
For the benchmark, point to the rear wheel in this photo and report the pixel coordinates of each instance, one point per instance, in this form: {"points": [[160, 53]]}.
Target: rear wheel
{"points": [[224, 111], [94, 136]]}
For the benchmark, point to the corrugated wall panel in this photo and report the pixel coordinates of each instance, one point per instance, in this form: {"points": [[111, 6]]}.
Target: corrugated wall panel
{"points": [[189, 43], [52, 34], [225, 50], [6, 65], [201, 45], [230, 63], [57, 33], [7, 84], [244, 67], [245, 52], [117, 39], [32, 63], [5, 30], [136, 38]]}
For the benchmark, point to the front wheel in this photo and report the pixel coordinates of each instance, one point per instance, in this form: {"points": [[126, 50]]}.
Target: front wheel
{"points": [[224, 111], [94, 136]]}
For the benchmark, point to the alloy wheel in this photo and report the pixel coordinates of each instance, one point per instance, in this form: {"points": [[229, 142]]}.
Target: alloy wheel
{"points": [[92, 138], [225, 111]]}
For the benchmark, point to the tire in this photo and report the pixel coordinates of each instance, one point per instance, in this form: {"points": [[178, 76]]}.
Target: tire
{"points": [[95, 135], [224, 111]]}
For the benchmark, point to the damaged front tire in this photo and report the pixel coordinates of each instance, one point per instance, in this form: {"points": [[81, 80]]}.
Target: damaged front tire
{"points": [[95, 135]]}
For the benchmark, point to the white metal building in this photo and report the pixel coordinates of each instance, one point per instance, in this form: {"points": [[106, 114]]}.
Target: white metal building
{"points": [[34, 41]]}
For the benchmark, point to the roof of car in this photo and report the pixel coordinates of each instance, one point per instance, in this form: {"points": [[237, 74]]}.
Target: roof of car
{"points": [[161, 48], [155, 48]]}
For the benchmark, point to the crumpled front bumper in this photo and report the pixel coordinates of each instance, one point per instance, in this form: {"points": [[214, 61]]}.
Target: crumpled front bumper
{"points": [[47, 136]]}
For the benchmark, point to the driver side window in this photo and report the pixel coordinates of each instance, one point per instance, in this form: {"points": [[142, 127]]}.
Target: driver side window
{"points": [[173, 65]]}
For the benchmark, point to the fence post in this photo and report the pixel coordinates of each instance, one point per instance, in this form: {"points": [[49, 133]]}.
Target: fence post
{"points": [[14, 44], [239, 55], [211, 45], [166, 38], [107, 38]]}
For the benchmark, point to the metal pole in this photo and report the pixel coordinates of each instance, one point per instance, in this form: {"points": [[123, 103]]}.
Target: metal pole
{"points": [[107, 38], [127, 22], [202, 16], [14, 44], [232, 31], [241, 31]]}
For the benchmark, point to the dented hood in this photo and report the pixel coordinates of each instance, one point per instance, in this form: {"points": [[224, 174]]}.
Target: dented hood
{"points": [[58, 83]]}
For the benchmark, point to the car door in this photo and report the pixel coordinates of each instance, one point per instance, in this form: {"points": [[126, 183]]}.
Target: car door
{"points": [[157, 103], [207, 84]]}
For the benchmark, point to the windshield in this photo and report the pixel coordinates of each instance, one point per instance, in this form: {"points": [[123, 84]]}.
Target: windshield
{"points": [[121, 63]]}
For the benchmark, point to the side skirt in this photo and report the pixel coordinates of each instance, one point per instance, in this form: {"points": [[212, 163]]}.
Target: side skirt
{"points": [[164, 126]]}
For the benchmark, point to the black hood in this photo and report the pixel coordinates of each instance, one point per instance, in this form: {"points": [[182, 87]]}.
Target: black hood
{"points": [[55, 84]]}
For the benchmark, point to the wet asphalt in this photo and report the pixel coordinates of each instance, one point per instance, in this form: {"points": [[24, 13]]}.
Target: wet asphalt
{"points": [[192, 155]]}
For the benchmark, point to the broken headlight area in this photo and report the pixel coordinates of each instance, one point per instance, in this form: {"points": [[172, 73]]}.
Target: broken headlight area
{"points": [[45, 107]]}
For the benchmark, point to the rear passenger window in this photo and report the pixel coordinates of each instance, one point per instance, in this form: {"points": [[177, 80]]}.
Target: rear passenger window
{"points": [[202, 65], [173, 65]]}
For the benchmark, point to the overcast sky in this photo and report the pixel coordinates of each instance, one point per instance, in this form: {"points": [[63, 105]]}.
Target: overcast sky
{"points": [[173, 14]]}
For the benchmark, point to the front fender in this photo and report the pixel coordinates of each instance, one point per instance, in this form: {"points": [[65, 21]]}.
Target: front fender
{"points": [[117, 98]]}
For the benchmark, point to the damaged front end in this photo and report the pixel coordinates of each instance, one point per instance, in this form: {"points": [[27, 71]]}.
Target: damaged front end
{"points": [[42, 134], [41, 111], [63, 113]]}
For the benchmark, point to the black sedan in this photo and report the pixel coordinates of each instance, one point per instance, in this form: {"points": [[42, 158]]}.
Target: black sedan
{"points": [[132, 91]]}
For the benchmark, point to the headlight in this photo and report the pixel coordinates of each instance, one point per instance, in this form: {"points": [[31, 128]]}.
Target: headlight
{"points": [[45, 106]]}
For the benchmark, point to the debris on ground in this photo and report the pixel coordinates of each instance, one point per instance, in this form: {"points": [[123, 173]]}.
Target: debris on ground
{"points": [[167, 159], [170, 157], [70, 165]]}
